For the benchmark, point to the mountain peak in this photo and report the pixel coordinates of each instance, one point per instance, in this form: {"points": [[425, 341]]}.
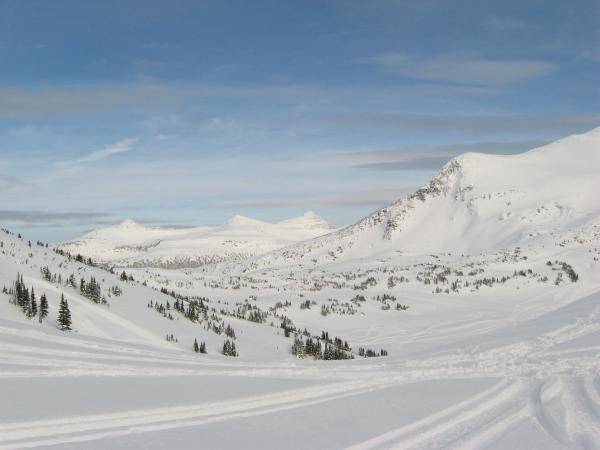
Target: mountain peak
{"points": [[239, 220], [308, 220], [311, 215], [129, 223]]}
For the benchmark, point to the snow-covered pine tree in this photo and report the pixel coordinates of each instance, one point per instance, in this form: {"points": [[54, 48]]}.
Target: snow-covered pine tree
{"points": [[33, 309], [226, 347], [64, 314], [43, 312], [25, 301]]}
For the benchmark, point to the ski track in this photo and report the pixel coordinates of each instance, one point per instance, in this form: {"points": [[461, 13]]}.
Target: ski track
{"points": [[480, 421], [86, 428], [447, 425]]}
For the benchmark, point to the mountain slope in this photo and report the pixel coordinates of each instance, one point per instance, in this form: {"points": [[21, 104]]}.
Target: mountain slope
{"points": [[475, 203], [130, 244]]}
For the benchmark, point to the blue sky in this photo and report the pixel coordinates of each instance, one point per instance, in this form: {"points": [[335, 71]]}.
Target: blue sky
{"points": [[187, 112]]}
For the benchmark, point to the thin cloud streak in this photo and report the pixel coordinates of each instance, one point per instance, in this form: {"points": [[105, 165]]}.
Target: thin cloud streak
{"points": [[425, 163], [368, 198], [430, 158], [145, 97], [461, 69], [476, 125], [121, 146], [34, 217]]}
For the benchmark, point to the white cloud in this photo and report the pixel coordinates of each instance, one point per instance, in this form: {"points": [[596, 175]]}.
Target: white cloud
{"points": [[37, 217], [122, 146], [461, 69]]}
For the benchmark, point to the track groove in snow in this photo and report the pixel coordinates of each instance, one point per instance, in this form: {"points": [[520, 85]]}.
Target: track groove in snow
{"points": [[70, 429]]}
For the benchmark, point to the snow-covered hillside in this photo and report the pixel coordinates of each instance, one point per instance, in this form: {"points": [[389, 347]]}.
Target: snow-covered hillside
{"points": [[477, 202], [465, 316], [130, 244]]}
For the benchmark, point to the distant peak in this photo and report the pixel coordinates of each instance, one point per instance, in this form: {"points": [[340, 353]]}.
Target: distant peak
{"points": [[311, 215], [129, 223], [242, 220], [308, 220]]}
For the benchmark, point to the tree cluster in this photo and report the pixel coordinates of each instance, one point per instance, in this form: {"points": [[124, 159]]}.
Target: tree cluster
{"points": [[229, 348], [199, 348], [25, 299], [368, 353], [92, 290]]}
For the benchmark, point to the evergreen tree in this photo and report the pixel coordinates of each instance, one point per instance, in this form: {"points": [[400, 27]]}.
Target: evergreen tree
{"points": [[17, 291], [298, 348], [229, 348], [33, 309], [203, 347], [26, 302], [226, 348], [46, 273], [64, 315], [196, 348], [92, 290], [43, 308], [229, 332]]}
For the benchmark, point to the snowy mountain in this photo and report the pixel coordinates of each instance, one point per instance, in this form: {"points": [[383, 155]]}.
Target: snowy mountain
{"points": [[130, 244], [476, 202], [308, 221]]}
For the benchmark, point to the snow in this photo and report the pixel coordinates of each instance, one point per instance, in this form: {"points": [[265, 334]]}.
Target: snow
{"points": [[308, 221], [497, 259], [130, 244], [476, 202]]}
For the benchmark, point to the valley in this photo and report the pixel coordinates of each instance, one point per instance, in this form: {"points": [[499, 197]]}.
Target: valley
{"points": [[466, 315]]}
